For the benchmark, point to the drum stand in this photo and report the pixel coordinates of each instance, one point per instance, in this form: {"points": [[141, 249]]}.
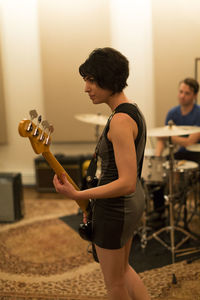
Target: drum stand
{"points": [[196, 209], [171, 228]]}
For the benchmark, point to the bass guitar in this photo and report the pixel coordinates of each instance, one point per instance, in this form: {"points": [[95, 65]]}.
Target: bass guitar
{"points": [[40, 139]]}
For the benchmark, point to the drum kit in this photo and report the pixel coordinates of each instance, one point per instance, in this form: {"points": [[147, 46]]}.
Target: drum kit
{"points": [[158, 170], [176, 176]]}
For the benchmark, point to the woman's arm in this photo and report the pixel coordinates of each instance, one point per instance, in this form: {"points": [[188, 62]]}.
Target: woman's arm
{"points": [[122, 132]]}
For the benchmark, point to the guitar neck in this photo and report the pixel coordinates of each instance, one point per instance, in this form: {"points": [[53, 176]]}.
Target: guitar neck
{"points": [[58, 169]]}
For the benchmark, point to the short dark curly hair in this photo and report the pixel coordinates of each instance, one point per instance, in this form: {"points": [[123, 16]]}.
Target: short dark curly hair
{"points": [[108, 67], [192, 83]]}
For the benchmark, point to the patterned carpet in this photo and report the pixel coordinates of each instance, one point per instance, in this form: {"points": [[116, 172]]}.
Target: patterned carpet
{"points": [[43, 258]]}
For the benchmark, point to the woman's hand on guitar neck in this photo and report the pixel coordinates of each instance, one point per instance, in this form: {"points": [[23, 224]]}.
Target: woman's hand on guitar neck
{"points": [[63, 186]]}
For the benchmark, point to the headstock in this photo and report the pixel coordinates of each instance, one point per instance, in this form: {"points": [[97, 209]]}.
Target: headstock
{"points": [[39, 137]]}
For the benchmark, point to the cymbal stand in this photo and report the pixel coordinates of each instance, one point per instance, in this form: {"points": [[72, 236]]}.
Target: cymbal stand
{"points": [[97, 127], [171, 228], [97, 132], [142, 230]]}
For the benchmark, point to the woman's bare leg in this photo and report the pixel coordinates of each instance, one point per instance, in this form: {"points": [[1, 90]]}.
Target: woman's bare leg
{"points": [[135, 286], [112, 265], [122, 282]]}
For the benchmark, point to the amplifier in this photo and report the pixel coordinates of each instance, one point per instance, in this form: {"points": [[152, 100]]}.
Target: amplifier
{"points": [[11, 197], [44, 174]]}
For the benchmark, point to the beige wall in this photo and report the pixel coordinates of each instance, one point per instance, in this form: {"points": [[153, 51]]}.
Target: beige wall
{"points": [[2, 98], [176, 43], [68, 27], [131, 32], [3, 130], [23, 67], [174, 47], [69, 31], [22, 82]]}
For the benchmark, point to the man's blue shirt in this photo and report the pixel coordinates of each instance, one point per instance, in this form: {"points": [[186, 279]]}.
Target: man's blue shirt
{"points": [[191, 119]]}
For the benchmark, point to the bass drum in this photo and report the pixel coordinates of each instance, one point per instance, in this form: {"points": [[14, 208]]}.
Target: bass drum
{"points": [[154, 170]]}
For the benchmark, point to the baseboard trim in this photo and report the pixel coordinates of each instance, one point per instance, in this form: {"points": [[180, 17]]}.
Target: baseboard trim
{"points": [[28, 179]]}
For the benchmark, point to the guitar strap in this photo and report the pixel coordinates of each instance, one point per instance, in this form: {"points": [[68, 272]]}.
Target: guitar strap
{"points": [[91, 171]]}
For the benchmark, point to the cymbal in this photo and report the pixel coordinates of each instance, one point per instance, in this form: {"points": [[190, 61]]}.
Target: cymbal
{"points": [[96, 119], [194, 147], [172, 130]]}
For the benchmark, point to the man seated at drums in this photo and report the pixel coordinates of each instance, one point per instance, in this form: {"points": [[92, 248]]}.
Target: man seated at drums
{"points": [[187, 113]]}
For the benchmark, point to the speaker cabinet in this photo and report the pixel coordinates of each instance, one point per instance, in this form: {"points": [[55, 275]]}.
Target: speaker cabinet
{"points": [[11, 197], [71, 164]]}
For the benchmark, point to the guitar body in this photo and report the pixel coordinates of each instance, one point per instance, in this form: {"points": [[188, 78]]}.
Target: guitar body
{"points": [[40, 142]]}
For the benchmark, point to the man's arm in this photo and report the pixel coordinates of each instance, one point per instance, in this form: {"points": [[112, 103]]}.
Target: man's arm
{"points": [[160, 146], [186, 141]]}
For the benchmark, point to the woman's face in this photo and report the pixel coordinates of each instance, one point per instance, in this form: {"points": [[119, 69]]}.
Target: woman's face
{"points": [[95, 92]]}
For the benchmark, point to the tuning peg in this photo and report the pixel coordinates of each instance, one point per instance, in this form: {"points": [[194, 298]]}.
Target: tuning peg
{"points": [[51, 129], [45, 125], [37, 126], [33, 114]]}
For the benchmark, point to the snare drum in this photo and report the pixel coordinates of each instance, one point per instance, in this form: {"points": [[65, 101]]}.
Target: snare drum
{"points": [[185, 174], [154, 170]]}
